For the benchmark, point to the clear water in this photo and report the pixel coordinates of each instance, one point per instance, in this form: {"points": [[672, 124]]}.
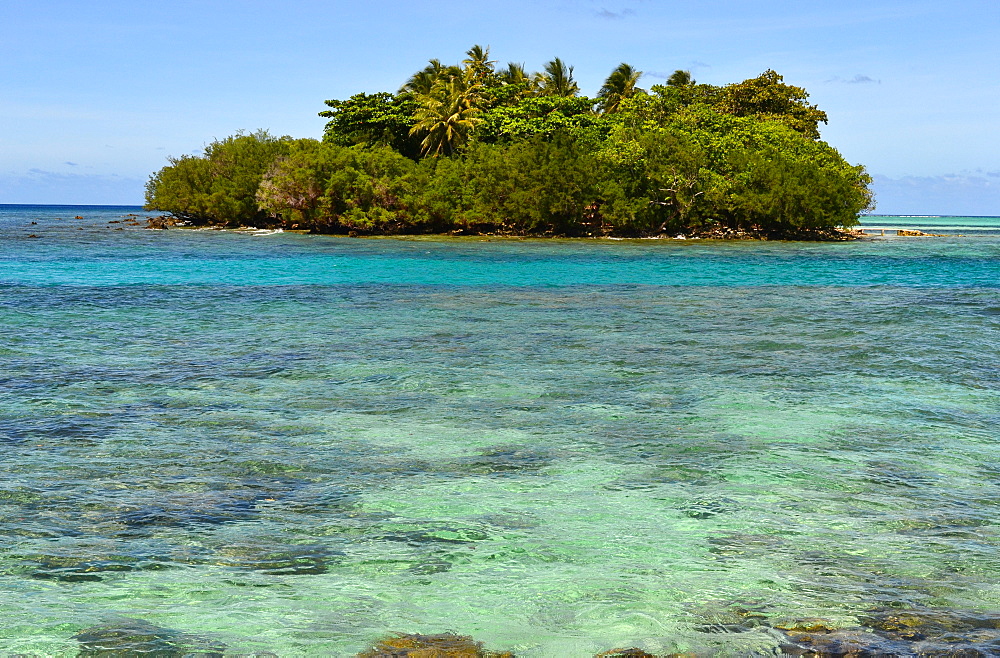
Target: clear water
{"points": [[300, 443]]}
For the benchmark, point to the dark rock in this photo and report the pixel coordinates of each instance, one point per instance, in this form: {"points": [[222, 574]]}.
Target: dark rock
{"points": [[188, 510], [162, 222], [76, 570], [706, 508], [84, 568], [845, 642], [443, 645], [744, 544], [918, 234], [296, 560], [431, 566], [806, 626], [132, 637], [441, 535], [897, 633], [512, 459], [946, 625]]}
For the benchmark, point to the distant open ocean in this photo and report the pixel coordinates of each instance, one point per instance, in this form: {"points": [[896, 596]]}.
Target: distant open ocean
{"points": [[948, 224], [251, 441]]}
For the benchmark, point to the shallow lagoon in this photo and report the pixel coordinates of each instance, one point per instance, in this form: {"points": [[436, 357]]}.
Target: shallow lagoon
{"points": [[299, 443]]}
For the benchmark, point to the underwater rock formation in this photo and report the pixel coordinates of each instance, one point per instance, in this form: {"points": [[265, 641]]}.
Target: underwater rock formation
{"points": [[916, 632], [442, 645], [130, 637]]}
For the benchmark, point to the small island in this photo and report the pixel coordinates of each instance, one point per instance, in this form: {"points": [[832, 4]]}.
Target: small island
{"points": [[473, 149]]}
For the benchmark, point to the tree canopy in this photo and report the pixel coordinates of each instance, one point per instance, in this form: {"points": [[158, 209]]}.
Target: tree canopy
{"points": [[470, 147]]}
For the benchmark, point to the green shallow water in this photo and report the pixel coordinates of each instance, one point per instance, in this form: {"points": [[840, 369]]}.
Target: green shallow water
{"points": [[298, 443]]}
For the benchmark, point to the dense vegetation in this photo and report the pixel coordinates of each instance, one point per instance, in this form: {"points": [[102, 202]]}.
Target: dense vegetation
{"points": [[476, 148]]}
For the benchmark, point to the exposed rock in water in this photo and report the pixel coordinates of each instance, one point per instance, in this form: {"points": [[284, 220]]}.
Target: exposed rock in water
{"points": [[163, 222], [719, 232], [631, 652], [918, 234], [844, 642], [443, 645], [895, 632], [131, 637]]}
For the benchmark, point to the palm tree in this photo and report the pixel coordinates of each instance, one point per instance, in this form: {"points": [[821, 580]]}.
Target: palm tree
{"points": [[556, 80], [423, 80], [514, 74], [446, 115], [621, 84], [680, 78], [478, 65]]}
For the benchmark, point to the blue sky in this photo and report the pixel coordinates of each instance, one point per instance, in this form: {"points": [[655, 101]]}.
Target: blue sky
{"points": [[95, 95]]}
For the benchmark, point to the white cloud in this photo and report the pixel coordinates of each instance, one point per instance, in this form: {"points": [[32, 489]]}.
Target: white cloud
{"points": [[969, 193]]}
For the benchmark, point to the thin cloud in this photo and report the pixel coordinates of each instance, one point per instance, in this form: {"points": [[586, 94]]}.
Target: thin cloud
{"points": [[859, 79], [692, 67], [615, 15], [42, 186], [965, 193], [71, 164]]}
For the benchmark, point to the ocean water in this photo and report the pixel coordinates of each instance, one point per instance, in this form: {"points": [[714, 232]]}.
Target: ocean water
{"points": [[298, 444], [939, 224]]}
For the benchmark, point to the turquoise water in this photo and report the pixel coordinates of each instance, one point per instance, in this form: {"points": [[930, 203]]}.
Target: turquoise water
{"points": [[297, 444], [941, 224]]}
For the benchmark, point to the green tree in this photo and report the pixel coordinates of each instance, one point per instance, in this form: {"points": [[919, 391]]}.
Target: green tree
{"points": [[182, 188], [446, 115], [658, 179], [423, 80], [330, 188], [768, 168], [680, 78], [621, 84], [779, 193], [380, 118], [514, 74], [222, 188], [538, 115], [479, 68], [556, 79], [767, 97], [537, 186]]}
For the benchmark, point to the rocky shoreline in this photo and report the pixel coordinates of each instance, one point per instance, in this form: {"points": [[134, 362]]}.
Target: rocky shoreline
{"points": [[162, 222]]}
